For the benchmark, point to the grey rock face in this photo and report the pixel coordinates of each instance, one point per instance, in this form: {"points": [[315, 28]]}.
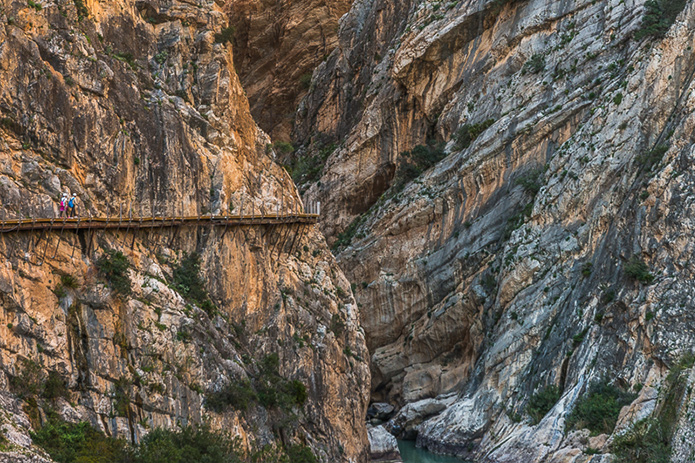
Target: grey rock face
{"points": [[382, 445], [510, 265]]}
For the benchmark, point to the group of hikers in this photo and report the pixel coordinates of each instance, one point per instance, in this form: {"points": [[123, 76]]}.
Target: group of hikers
{"points": [[68, 205]]}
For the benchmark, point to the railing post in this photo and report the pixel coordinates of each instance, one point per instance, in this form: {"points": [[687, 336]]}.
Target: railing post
{"points": [[120, 214], [318, 208]]}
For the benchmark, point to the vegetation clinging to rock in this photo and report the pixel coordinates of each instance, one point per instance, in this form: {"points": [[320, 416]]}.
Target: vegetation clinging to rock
{"points": [[80, 443], [114, 265], [267, 389], [598, 409], [467, 133], [542, 402], [638, 270], [659, 16], [188, 282], [416, 161]]}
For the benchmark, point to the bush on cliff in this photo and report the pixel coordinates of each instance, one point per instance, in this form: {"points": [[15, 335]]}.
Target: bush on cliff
{"points": [[638, 270], [189, 283], [542, 402], [659, 16], [80, 443], [467, 133], [114, 265], [598, 410], [267, 388], [415, 162]]}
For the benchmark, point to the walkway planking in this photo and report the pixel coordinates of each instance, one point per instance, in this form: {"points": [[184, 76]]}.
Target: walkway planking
{"points": [[86, 223]]}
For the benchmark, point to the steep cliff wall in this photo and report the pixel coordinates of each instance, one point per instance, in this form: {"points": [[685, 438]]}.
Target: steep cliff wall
{"points": [[278, 43], [548, 245], [136, 107]]}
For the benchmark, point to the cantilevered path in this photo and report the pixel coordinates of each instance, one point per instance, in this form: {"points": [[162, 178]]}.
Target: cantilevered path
{"points": [[86, 223]]}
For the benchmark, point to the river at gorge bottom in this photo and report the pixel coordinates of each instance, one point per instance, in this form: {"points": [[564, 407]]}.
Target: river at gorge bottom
{"points": [[412, 454]]}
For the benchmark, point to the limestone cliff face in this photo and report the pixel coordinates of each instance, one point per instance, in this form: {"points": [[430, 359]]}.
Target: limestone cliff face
{"points": [[136, 107], [506, 267], [278, 43]]}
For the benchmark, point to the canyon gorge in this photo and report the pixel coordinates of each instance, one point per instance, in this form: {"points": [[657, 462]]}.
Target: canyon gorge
{"points": [[501, 270]]}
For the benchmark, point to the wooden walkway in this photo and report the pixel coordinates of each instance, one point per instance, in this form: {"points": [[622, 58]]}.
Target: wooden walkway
{"points": [[87, 223]]}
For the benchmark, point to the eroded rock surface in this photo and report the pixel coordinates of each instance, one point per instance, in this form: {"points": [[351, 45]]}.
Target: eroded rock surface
{"points": [[278, 44], [136, 107], [513, 263], [383, 446]]}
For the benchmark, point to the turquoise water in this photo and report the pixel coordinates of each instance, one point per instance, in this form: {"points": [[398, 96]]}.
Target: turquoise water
{"points": [[412, 454]]}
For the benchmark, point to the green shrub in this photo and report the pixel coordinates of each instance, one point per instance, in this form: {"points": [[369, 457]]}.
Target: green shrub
{"points": [[68, 281], [542, 402], [659, 16], [638, 270], [283, 147], [78, 443], [587, 268], [608, 295], [268, 389], [126, 58], [300, 454], [54, 387], [225, 35], [237, 394], [598, 409], [35, 5], [467, 133], [305, 81], [415, 162], [535, 64], [337, 325], [516, 221], [82, 11], [653, 157], [28, 380], [645, 442], [489, 282], [296, 391], [531, 181], [188, 282], [308, 169], [114, 265], [345, 238], [59, 291]]}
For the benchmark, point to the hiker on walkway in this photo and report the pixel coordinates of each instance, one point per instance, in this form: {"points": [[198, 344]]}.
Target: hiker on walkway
{"points": [[63, 205], [72, 205]]}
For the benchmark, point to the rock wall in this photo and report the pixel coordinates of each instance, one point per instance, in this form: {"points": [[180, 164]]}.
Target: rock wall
{"points": [[136, 107], [278, 44], [511, 264]]}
